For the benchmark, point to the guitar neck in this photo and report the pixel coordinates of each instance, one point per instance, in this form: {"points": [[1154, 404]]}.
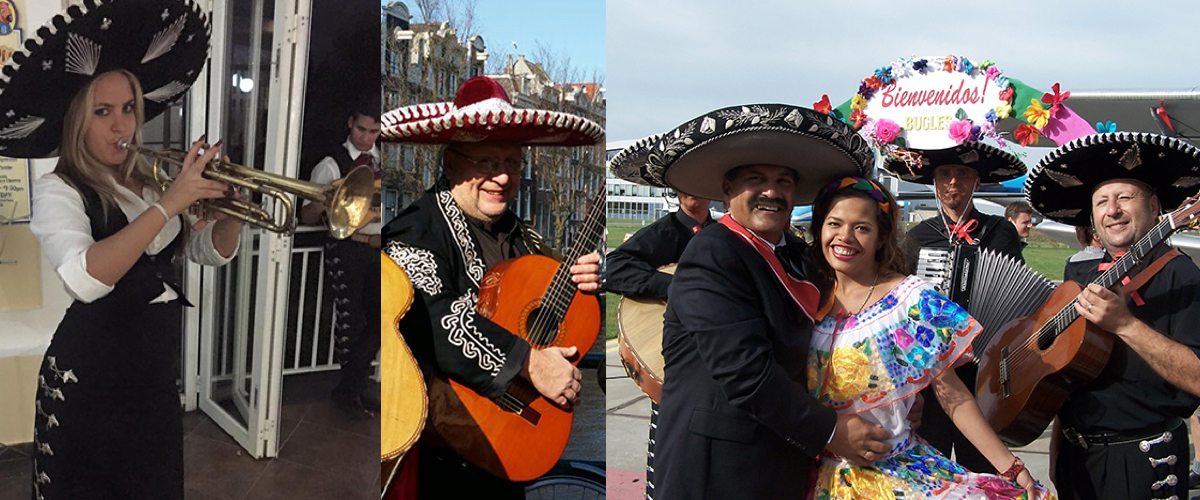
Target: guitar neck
{"points": [[558, 295], [1118, 271]]}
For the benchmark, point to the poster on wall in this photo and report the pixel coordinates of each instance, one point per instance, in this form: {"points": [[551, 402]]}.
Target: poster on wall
{"points": [[14, 173], [20, 257]]}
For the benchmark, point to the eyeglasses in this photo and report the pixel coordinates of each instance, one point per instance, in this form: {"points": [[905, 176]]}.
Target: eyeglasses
{"points": [[493, 166]]}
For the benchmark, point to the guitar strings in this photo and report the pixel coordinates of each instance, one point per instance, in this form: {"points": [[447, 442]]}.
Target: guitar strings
{"points": [[558, 300], [1062, 320]]}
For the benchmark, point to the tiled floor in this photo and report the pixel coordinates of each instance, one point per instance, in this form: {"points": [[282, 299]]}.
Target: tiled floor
{"points": [[323, 455]]}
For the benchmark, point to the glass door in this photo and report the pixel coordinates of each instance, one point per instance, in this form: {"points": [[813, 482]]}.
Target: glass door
{"points": [[257, 62]]}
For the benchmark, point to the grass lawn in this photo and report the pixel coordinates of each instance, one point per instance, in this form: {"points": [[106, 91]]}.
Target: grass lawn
{"points": [[617, 228], [610, 315]]}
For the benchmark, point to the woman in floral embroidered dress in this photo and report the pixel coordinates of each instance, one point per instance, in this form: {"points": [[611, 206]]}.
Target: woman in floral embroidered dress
{"points": [[886, 336]]}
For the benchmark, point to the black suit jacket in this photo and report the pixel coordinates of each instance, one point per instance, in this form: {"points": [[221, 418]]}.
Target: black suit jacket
{"points": [[736, 419]]}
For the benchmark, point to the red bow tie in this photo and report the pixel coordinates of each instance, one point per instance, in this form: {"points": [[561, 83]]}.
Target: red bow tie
{"points": [[1105, 265], [959, 231]]}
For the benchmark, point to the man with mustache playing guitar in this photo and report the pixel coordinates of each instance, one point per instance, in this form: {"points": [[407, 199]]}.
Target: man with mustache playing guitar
{"points": [[446, 240], [1122, 435]]}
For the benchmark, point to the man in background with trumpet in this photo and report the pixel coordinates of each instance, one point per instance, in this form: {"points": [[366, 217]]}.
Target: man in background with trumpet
{"points": [[352, 270]]}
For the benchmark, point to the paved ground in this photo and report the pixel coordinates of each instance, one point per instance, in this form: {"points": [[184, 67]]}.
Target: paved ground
{"points": [[628, 419]]}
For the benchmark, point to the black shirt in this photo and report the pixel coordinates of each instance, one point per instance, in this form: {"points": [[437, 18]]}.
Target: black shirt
{"points": [[633, 266], [992, 232], [1128, 394], [497, 241]]}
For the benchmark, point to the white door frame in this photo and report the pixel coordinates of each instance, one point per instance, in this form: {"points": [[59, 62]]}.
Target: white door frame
{"points": [[284, 122]]}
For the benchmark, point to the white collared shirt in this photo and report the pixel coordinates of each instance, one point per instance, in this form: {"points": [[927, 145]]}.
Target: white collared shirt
{"points": [[64, 231], [327, 171]]}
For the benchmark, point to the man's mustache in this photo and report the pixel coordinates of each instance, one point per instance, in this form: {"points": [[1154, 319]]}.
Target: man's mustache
{"points": [[763, 200]]}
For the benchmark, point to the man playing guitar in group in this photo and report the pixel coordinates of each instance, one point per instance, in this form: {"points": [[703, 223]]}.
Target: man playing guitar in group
{"points": [[1122, 435], [447, 239]]}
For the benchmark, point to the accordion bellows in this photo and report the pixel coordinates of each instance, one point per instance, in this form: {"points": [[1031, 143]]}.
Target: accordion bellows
{"points": [[994, 287]]}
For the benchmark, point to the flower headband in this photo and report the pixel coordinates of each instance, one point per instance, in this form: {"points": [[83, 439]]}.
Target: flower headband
{"points": [[868, 186]]}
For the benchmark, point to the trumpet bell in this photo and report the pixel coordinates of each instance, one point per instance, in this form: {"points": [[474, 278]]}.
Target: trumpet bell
{"points": [[352, 205]]}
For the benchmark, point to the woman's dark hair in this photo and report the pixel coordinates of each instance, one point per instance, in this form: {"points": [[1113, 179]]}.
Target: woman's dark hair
{"points": [[890, 256]]}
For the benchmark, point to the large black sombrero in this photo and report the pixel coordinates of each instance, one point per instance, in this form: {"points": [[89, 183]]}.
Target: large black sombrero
{"points": [[162, 42], [993, 164], [695, 156], [1061, 185], [632, 163]]}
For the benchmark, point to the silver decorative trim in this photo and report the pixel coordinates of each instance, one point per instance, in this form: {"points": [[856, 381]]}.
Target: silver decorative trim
{"points": [[420, 265], [462, 233], [167, 92], [83, 55], [22, 128], [165, 40], [460, 324]]}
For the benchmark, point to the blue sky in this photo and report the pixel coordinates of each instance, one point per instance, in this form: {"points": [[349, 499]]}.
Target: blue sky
{"points": [[572, 28], [676, 59]]}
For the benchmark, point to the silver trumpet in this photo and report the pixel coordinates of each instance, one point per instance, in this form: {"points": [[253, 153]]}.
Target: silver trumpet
{"points": [[349, 202]]}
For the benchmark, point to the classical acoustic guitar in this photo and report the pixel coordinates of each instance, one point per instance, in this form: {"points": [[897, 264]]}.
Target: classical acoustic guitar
{"points": [[639, 339], [403, 388], [1029, 369], [521, 435]]}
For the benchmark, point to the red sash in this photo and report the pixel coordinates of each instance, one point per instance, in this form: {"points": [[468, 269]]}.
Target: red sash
{"points": [[803, 292]]}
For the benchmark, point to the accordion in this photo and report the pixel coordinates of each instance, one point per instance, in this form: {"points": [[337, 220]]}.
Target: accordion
{"points": [[993, 287]]}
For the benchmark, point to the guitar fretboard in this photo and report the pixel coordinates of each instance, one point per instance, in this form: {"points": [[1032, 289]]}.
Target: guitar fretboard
{"points": [[558, 295]]}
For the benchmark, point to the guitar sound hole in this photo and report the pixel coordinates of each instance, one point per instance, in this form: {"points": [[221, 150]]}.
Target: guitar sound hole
{"points": [[1046, 339], [538, 328]]}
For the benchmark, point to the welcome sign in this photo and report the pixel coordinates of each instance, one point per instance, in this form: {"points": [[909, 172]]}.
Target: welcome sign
{"points": [[925, 105]]}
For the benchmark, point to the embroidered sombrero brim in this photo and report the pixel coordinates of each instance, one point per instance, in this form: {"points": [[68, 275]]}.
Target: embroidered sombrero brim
{"points": [[1061, 185], [993, 164], [695, 157], [633, 163], [162, 42], [482, 112]]}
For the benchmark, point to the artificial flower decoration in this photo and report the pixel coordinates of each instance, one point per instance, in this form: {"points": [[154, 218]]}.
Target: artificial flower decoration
{"points": [[920, 65], [992, 72], [823, 106], [1055, 99], [887, 131], [859, 118], [960, 130], [884, 74], [976, 134], [948, 63], [866, 91], [1027, 134], [990, 116], [858, 102], [987, 63], [967, 67], [1007, 94], [1002, 81], [873, 82], [1036, 115], [900, 69], [1003, 111], [1106, 127]]}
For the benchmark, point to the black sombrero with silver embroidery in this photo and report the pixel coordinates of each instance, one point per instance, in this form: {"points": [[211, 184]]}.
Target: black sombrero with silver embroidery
{"points": [[633, 162], [1061, 185], [993, 164], [163, 42], [695, 156]]}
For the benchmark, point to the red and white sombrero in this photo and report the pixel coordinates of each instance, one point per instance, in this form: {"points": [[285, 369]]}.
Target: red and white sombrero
{"points": [[482, 111]]}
